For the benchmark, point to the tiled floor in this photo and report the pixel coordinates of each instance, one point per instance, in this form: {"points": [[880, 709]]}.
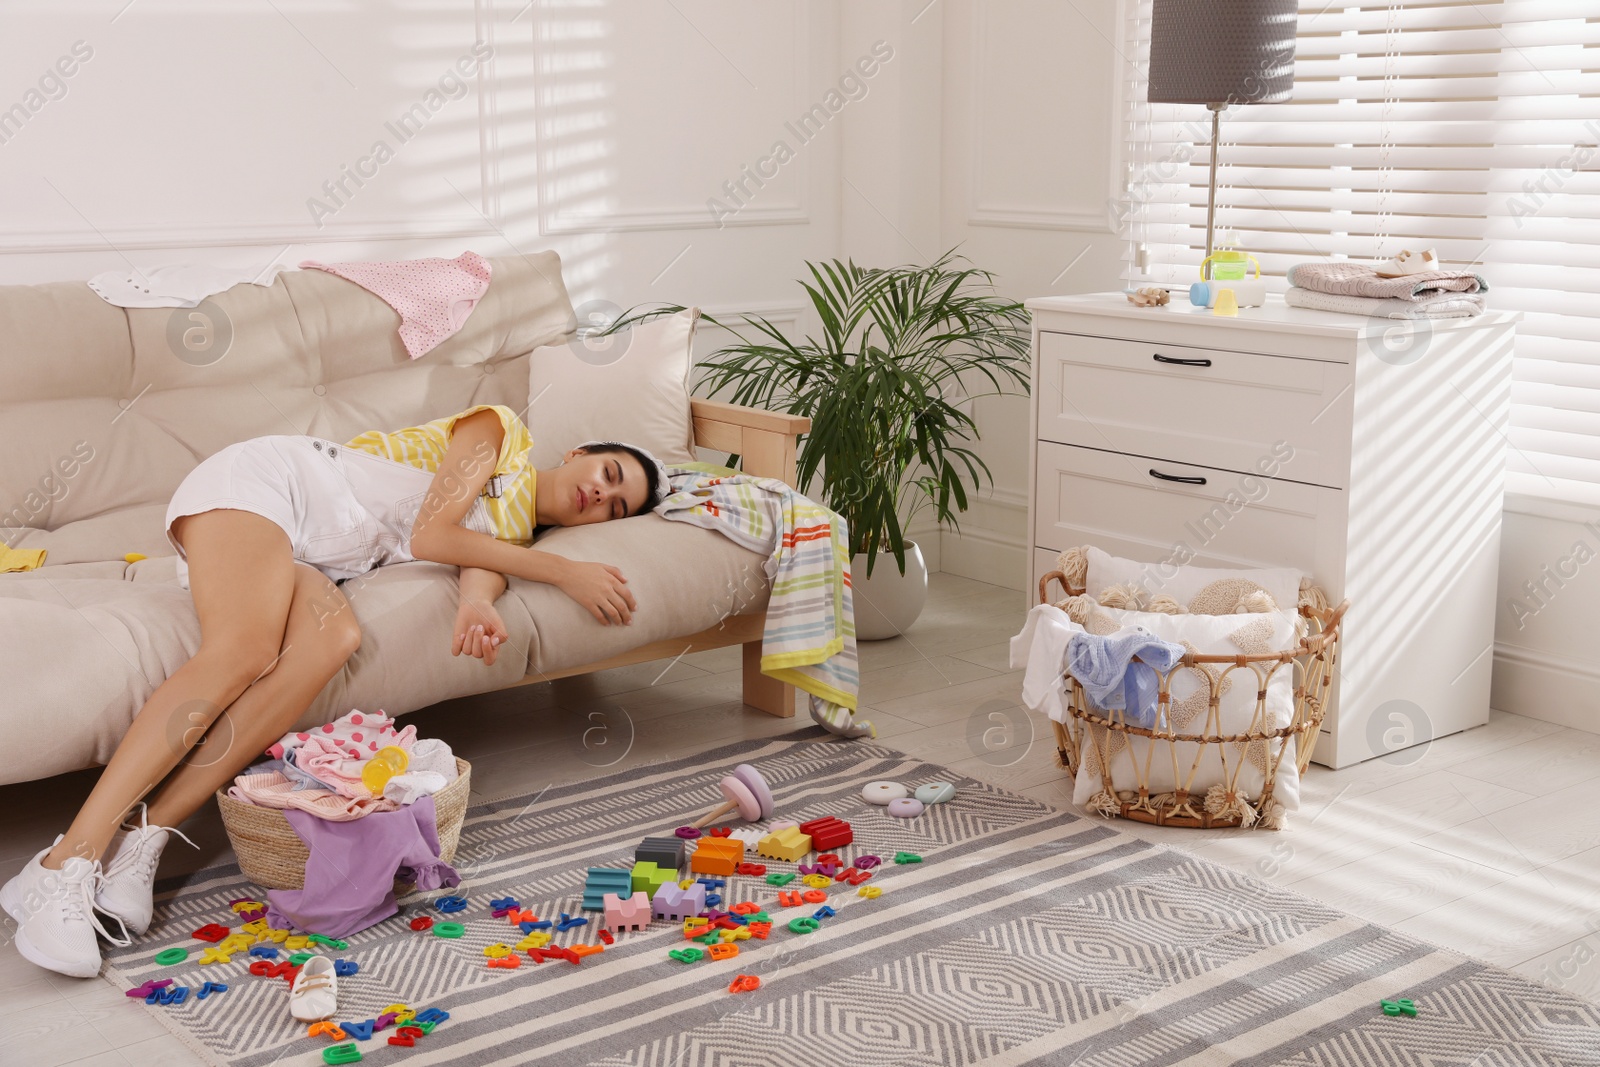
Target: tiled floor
{"points": [[1487, 842]]}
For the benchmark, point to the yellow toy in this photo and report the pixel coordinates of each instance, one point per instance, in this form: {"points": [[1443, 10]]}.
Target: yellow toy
{"points": [[786, 844]]}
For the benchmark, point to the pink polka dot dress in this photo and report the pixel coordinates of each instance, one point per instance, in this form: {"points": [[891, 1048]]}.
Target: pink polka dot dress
{"points": [[432, 296]]}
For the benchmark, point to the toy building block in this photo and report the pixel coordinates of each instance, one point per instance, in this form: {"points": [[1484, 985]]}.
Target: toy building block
{"points": [[603, 880], [786, 844], [828, 833], [675, 903], [626, 913], [649, 878], [717, 855], [664, 852]]}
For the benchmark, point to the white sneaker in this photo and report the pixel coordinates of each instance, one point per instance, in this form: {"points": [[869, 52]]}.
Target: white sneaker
{"points": [[1408, 263], [315, 993], [55, 916], [128, 893]]}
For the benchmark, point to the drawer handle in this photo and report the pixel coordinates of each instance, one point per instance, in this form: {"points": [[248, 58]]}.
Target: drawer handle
{"points": [[1159, 358], [1186, 479]]}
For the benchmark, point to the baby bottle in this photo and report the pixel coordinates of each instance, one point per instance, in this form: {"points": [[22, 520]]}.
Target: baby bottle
{"points": [[384, 765]]}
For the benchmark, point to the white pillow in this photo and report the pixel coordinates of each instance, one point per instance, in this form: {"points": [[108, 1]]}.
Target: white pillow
{"points": [[633, 388], [1210, 635], [1202, 590]]}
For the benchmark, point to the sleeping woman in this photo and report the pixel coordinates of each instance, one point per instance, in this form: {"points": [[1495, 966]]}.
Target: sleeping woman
{"points": [[263, 530]]}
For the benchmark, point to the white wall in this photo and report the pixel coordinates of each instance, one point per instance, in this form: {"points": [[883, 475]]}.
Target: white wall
{"points": [[199, 131], [1028, 165], [1546, 665]]}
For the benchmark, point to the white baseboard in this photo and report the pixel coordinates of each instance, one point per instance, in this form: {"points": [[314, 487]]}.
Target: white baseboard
{"points": [[1542, 686], [992, 545]]}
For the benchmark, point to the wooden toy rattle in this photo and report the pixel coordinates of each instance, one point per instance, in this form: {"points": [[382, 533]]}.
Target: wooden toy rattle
{"points": [[746, 791]]}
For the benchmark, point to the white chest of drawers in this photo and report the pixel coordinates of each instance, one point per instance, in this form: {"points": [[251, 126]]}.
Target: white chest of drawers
{"points": [[1367, 453]]}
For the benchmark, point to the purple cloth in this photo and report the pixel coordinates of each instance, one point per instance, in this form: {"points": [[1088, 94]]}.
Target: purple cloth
{"points": [[351, 871]]}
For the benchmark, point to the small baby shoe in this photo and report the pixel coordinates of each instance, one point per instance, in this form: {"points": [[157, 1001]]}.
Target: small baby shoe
{"points": [[315, 993]]}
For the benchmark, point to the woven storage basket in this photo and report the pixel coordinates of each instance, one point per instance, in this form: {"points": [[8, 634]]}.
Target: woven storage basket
{"points": [[1311, 663], [272, 855]]}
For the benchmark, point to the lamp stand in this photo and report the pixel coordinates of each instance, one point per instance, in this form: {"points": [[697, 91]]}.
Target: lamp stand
{"points": [[1211, 199]]}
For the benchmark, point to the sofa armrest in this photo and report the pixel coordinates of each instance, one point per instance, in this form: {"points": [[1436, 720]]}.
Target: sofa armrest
{"points": [[763, 440]]}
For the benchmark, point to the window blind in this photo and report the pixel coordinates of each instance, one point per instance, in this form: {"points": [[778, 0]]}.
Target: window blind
{"points": [[1472, 128]]}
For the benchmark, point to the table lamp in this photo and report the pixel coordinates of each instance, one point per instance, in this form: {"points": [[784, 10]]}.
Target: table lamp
{"points": [[1221, 52]]}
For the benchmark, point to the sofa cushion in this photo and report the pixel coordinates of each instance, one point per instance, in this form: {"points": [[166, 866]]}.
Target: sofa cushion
{"points": [[118, 631], [105, 411], [631, 387], [683, 578]]}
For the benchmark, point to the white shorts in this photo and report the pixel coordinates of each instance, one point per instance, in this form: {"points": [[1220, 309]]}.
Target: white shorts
{"points": [[300, 483]]}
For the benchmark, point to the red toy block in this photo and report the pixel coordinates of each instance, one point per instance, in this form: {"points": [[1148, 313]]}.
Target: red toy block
{"points": [[605, 935], [717, 855], [828, 833], [720, 831], [212, 932]]}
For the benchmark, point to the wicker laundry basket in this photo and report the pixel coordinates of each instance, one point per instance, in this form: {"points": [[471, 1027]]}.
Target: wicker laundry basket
{"points": [[272, 855], [1311, 663]]}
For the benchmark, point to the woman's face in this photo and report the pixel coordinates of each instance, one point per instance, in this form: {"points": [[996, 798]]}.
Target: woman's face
{"points": [[593, 487]]}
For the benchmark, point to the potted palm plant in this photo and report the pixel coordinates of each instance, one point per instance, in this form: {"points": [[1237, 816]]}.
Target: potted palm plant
{"points": [[900, 352]]}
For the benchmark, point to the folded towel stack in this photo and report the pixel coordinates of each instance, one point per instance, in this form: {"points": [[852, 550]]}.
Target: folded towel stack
{"points": [[1356, 289]]}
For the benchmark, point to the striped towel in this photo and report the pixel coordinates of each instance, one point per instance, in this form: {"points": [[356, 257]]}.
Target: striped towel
{"points": [[810, 635]]}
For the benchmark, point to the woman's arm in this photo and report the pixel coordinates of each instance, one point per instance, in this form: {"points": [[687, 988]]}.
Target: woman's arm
{"points": [[438, 535], [481, 586], [479, 629]]}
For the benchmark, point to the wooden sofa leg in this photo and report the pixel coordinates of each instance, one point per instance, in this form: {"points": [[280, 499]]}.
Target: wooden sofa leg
{"points": [[768, 694]]}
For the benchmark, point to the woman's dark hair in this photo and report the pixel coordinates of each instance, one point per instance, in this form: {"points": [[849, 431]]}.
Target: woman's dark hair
{"points": [[652, 473]]}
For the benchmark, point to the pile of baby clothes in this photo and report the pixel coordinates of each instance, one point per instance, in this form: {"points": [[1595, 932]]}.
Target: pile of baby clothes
{"points": [[1356, 289], [359, 842]]}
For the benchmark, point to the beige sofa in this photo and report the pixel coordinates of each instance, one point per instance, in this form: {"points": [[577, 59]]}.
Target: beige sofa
{"points": [[104, 410]]}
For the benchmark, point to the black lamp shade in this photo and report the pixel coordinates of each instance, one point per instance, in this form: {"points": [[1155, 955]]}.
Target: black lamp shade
{"points": [[1222, 51]]}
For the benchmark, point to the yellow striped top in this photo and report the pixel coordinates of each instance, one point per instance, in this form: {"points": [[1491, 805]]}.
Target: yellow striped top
{"points": [[508, 496]]}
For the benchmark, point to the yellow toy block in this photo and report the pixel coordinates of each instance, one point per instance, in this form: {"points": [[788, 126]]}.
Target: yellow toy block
{"points": [[786, 844]]}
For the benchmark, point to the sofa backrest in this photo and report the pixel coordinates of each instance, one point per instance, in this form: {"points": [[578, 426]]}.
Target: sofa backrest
{"points": [[104, 410]]}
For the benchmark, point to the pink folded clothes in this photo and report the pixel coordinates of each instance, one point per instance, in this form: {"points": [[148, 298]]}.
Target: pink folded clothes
{"points": [[1343, 278], [359, 734], [329, 762], [1438, 305], [275, 790], [433, 296]]}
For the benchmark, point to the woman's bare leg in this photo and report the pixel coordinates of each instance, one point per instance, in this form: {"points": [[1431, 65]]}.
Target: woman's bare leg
{"points": [[241, 573], [320, 636]]}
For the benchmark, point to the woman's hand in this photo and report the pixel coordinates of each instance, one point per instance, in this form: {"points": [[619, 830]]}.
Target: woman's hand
{"points": [[479, 631], [600, 588]]}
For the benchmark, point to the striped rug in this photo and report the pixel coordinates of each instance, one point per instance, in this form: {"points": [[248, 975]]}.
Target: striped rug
{"points": [[1026, 936]]}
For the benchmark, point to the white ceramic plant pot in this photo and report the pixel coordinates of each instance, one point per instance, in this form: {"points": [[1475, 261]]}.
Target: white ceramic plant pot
{"points": [[888, 602]]}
